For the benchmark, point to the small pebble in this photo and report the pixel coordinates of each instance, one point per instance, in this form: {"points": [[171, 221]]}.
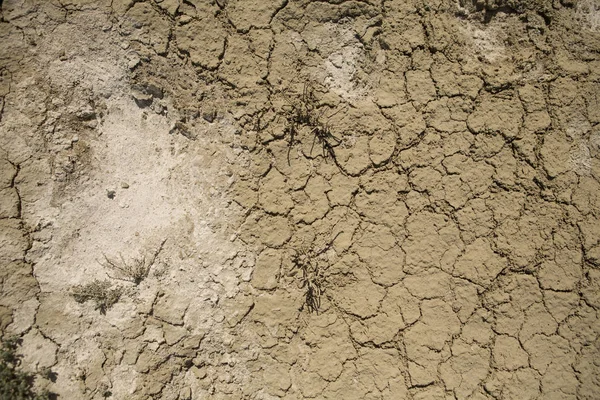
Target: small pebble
{"points": [[133, 63]]}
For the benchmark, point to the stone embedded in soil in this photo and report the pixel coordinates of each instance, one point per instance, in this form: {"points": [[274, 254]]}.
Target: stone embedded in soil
{"points": [[141, 99]]}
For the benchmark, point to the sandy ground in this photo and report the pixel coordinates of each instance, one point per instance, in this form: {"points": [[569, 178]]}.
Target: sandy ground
{"points": [[340, 199]]}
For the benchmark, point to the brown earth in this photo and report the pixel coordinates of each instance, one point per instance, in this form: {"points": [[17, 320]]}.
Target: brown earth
{"points": [[361, 199]]}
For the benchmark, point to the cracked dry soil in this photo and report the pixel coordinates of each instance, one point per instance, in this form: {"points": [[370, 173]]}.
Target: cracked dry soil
{"points": [[422, 225]]}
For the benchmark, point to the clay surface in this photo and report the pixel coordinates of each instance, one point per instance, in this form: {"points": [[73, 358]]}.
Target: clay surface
{"points": [[334, 199]]}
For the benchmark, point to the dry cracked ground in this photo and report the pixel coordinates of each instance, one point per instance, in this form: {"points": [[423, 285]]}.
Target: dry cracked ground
{"points": [[341, 199]]}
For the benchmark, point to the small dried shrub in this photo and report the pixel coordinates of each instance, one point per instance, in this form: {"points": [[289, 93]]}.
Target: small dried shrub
{"points": [[134, 271], [305, 111], [311, 280], [100, 292]]}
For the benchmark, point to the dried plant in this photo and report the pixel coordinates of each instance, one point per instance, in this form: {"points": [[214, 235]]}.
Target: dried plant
{"points": [[99, 292], [135, 270], [311, 279], [305, 111]]}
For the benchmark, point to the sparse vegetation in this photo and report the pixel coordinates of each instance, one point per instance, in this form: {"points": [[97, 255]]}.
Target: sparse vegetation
{"points": [[135, 270], [311, 279], [305, 112], [14, 383], [100, 292], [312, 276]]}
